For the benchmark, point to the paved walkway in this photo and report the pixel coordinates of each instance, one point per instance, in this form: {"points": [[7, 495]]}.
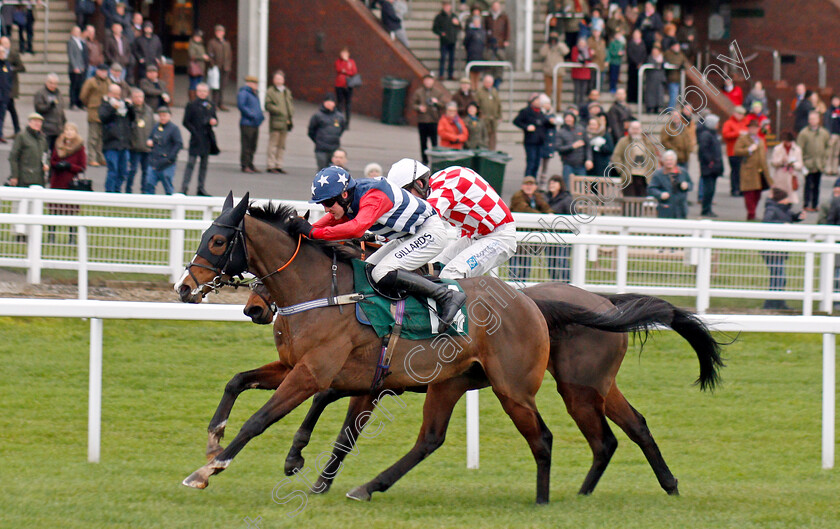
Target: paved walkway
{"points": [[367, 141]]}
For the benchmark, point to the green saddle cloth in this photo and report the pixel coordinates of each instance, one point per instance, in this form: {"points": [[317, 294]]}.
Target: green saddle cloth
{"points": [[419, 322]]}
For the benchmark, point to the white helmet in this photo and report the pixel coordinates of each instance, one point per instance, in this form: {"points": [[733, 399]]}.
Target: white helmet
{"points": [[406, 171]]}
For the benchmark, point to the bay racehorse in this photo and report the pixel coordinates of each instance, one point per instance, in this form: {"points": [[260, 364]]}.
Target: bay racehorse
{"points": [[583, 361], [330, 349]]}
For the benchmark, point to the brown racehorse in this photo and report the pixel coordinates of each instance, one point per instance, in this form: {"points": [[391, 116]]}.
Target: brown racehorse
{"points": [[583, 361], [330, 349]]}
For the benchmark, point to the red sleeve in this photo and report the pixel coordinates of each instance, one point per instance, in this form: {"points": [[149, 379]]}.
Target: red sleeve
{"points": [[351, 67], [372, 206]]}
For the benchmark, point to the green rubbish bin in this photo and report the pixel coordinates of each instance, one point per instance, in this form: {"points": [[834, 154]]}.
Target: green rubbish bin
{"points": [[394, 91], [442, 158], [491, 166]]}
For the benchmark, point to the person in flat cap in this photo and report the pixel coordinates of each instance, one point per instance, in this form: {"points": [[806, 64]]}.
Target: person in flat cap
{"points": [[147, 50], [464, 96], [151, 86], [428, 100], [325, 129], [251, 117], [27, 157], [164, 143], [527, 200]]}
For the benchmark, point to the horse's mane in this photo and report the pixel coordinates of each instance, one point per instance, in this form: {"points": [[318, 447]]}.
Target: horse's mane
{"points": [[279, 215]]}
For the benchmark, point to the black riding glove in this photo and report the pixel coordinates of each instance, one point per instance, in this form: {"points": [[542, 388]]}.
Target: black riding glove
{"points": [[300, 226]]}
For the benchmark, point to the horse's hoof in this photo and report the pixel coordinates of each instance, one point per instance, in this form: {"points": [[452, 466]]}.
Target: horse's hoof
{"points": [[293, 464], [360, 493], [321, 486], [195, 481]]}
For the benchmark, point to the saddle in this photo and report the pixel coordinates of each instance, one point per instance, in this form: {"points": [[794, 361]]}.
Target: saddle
{"points": [[420, 320], [394, 315]]}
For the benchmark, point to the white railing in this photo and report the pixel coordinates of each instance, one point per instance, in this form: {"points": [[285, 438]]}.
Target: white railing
{"points": [[591, 66], [644, 68], [496, 64], [703, 259], [99, 310]]}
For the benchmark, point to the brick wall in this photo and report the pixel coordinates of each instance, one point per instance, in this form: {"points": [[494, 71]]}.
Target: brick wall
{"points": [[305, 38], [803, 29]]}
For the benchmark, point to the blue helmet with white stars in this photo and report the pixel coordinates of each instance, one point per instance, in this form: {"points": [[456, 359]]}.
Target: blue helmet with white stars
{"points": [[331, 182]]}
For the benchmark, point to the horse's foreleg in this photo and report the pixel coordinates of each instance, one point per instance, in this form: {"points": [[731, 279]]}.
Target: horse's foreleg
{"points": [[299, 385], [437, 409], [294, 460], [633, 423], [268, 376], [346, 441]]}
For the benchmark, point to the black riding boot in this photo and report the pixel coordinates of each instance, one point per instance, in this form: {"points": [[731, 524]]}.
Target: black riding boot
{"points": [[450, 301]]}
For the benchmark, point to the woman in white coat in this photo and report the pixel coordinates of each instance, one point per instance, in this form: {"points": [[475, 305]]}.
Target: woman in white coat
{"points": [[787, 165]]}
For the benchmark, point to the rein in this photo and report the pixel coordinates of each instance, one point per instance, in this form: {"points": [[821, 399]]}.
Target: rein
{"points": [[217, 282]]}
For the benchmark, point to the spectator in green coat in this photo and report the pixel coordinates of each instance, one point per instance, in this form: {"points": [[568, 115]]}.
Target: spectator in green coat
{"points": [[27, 157]]}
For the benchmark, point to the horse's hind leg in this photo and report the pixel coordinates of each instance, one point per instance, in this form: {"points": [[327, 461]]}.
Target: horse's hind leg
{"points": [[633, 423], [294, 460], [268, 376], [529, 423], [586, 406], [299, 385], [358, 414], [437, 409]]}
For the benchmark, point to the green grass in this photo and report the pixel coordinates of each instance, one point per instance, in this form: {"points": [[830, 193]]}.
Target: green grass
{"points": [[747, 456]]}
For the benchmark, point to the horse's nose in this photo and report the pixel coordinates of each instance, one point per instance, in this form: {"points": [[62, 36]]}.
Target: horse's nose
{"points": [[184, 292], [257, 314]]}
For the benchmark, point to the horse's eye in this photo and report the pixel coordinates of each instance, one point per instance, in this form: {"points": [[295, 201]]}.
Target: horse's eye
{"points": [[219, 242]]}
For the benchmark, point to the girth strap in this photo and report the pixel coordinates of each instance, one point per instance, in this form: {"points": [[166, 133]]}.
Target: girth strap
{"points": [[389, 343]]}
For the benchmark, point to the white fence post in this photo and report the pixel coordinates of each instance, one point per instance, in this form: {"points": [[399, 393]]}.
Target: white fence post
{"points": [[82, 248], [827, 279], [95, 391], [621, 266], [704, 276], [34, 242], [829, 343], [808, 286], [176, 245], [472, 428]]}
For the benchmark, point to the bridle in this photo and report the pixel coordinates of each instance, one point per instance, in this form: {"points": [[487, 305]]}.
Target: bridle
{"points": [[220, 264]]}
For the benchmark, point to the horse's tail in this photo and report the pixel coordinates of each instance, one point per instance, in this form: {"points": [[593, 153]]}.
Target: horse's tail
{"points": [[687, 325], [636, 313]]}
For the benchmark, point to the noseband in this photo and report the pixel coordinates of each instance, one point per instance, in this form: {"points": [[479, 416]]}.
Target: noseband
{"points": [[226, 258]]}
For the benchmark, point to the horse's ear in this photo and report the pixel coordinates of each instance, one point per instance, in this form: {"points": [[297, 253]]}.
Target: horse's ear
{"points": [[228, 202], [241, 208], [306, 215]]}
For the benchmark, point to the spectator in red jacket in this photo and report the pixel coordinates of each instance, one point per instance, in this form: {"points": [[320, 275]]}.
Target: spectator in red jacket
{"points": [[734, 128], [67, 161], [733, 92], [344, 67], [452, 131], [581, 76]]}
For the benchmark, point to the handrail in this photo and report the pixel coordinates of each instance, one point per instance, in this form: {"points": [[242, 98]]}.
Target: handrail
{"points": [[821, 67], [642, 70], [778, 119], [573, 65], [504, 64]]}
